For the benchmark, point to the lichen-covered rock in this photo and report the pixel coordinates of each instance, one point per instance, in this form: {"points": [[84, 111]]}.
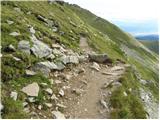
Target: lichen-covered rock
{"points": [[31, 89], [24, 46], [99, 58], [39, 48]]}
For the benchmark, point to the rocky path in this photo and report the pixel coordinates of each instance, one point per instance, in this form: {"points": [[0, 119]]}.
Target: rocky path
{"points": [[88, 97]]}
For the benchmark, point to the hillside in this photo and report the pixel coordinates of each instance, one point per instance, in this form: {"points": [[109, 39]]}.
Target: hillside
{"points": [[152, 45], [56, 57]]}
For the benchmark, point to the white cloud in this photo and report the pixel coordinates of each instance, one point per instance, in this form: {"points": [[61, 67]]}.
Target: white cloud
{"points": [[135, 10]]}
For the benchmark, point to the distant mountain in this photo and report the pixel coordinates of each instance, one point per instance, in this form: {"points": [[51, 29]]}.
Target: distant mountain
{"points": [[147, 37]]}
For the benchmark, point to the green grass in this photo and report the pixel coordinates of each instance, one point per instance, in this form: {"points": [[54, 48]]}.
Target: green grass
{"points": [[129, 106], [102, 36], [152, 45], [13, 109]]}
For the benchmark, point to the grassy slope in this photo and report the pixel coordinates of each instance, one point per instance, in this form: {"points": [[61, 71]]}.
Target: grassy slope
{"points": [[122, 38], [102, 35], [152, 45]]}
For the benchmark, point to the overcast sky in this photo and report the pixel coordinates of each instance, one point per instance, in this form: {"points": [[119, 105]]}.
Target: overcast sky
{"points": [[125, 12], [134, 10]]}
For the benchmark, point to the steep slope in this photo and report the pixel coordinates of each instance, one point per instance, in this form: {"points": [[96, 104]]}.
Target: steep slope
{"points": [[152, 45], [40, 38]]}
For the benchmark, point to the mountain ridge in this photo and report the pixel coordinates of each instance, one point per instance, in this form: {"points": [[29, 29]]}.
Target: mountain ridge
{"points": [[64, 24]]}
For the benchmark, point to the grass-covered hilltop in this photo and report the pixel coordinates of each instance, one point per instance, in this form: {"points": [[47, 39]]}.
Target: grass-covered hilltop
{"points": [[61, 61]]}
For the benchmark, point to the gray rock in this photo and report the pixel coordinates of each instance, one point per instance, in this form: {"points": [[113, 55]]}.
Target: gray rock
{"points": [[45, 67], [61, 106], [57, 81], [58, 115], [41, 18], [83, 58], [14, 34], [14, 95], [17, 9], [53, 97], [31, 89], [57, 46], [57, 52], [10, 22], [11, 48], [144, 82], [32, 31], [95, 66], [30, 73], [117, 68], [51, 56], [31, 99], [54, 29], [49, 91], [48, 105], [103, 103], [77, 91], [39, 107], [61, 93], [25, 104], [16, 59], [24, 46], [60, 66], [99, 58], [39, 48], [69, 59]]}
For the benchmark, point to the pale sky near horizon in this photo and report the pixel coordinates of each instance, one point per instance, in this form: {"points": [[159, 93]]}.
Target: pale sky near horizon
{"points": [[140, 16], [134, 10]]}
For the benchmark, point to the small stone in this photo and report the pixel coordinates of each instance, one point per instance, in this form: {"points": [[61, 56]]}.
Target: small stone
{"points": [[77, 91], [30, 73], [57, 81], [125, 94], [84, 81], [103, 103], [95, 66], [25, 104], [51, 56], [32, 30], [14, 34], [85, 110], [117, 68], [61, 106], [49, 91], [68, 77], [39, 107], [53, 97], [10, 22], [56, 46], [130, 89], [14, 95], [31, 99], [61, 93], [16, 59], [31, 89], [58, 115], [12, 48], [48, 105]]}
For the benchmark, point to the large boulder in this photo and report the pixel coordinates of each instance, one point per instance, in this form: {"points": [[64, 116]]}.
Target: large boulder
{"points": [[31, 89], [47, 66], [39, 48], [100, 58], [24, 46]]}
